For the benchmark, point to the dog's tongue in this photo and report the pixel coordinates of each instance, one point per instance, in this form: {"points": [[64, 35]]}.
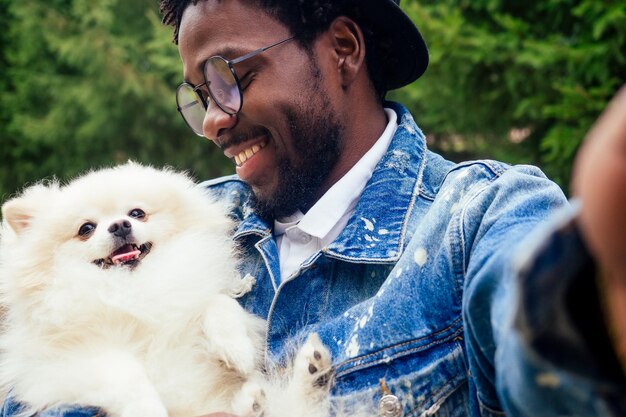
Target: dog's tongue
{"points": [[125, 256]]}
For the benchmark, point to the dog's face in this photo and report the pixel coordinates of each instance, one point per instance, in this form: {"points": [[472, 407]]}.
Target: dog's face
{"points": [[109, 219], [122, 233], [118, 230]]}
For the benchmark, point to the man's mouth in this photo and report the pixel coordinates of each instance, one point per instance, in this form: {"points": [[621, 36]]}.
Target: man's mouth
{"points": [[128, 254], [248, 153]]}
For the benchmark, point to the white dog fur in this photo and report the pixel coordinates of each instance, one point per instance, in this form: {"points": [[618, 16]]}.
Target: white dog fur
{"points": [[153, 336]]}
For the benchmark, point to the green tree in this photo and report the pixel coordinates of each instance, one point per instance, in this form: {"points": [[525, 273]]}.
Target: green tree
{"points": [[91, 84], [540, 71], [86, 84]]}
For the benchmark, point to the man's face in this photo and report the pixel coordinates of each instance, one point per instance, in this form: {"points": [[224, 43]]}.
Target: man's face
{"points": [[287, 128]]}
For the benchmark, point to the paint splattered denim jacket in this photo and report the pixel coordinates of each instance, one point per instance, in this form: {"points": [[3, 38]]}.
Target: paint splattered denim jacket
{"points": [[415, 297]]}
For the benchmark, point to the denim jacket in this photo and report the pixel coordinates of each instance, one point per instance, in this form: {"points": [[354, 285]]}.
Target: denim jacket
{"points": [[416, 298]]}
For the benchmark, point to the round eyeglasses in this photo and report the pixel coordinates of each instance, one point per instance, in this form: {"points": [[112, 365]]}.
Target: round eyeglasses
{"points": [[222, 84]]}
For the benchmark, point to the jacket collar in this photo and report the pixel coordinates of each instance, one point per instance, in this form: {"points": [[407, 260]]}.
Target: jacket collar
{"points": [[377, 229]]}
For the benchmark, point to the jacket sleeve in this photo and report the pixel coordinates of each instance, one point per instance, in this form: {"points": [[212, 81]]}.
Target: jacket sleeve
{"points": [[11, 408], [557, 342], [527, 352]]}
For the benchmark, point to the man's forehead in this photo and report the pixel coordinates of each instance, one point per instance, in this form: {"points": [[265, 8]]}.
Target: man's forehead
{"points": [[225, 19], [227, 28], [204, 18]]}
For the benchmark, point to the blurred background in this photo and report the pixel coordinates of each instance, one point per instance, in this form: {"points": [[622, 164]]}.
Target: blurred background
{"points": [[85, 84]]}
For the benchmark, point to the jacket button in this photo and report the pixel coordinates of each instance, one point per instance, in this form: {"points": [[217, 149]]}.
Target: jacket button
{"points": [[389, 406]]}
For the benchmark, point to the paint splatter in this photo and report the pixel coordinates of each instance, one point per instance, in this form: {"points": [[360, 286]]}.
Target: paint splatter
{"points": [[364, 319], [368, 224], [548, 379], [371, 238], [353, 347], [398, 160], [420, 257]]}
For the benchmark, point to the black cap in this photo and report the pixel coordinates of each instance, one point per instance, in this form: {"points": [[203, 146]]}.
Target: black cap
{"points": [[406, 54]]}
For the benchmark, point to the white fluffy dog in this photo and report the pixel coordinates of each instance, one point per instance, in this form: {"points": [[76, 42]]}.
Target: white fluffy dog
{"points": [[118, 292]]}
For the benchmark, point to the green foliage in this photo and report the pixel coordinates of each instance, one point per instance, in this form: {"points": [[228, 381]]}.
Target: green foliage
{"points": [[87, 84], [545, 69]]}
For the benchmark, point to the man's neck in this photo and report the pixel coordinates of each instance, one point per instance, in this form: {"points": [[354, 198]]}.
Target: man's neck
{"points": [[359, 137]]}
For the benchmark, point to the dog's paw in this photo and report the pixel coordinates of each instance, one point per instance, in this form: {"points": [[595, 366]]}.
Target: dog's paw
{"points": [[144, 408], [313, 364], [250, 401]]}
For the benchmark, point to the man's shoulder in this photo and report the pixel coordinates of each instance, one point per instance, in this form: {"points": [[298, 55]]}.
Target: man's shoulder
{"points": [[231, 191], [491, 171], [484, 191], [226, 182], [441, 174]]}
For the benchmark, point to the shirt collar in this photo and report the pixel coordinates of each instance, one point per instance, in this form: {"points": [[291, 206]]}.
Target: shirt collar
{"points": [[280, 226], [376, 231], [342, 197], [394, 185]]}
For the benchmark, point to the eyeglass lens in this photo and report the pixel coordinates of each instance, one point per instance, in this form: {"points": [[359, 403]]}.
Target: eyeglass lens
{"points": [[190, 107], [222, 84], [223, 89]]}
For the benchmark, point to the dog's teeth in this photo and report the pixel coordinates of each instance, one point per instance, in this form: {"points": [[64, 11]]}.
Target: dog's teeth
{"points": [[127, 255]]}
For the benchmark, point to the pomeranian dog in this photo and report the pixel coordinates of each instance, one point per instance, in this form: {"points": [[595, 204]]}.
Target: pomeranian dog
{"points": [[118, 291]]}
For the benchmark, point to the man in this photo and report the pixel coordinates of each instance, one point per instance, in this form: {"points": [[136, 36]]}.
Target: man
{"points": [[401, 261]]}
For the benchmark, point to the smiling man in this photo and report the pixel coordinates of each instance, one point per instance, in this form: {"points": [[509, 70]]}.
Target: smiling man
{"points": [[404, 263], [284, 100], [291, 141]]}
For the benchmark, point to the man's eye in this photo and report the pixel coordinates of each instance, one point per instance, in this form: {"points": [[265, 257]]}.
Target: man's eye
{"points": [[137, 213], [220, 95], [86, 229], [204, 93], [245, 81]]}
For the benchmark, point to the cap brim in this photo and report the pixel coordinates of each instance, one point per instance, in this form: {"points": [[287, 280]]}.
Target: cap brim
{"points": [[405, 50]]}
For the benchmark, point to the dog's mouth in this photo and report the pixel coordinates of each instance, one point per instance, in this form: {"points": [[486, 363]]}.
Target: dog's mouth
{"points": [[129, 255]]}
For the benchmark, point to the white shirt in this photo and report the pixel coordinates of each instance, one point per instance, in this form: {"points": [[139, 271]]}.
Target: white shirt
{"points": [[300, 236]]}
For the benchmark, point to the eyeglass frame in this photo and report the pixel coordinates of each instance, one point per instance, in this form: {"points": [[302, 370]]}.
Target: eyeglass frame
{"points": [[230, 64]]}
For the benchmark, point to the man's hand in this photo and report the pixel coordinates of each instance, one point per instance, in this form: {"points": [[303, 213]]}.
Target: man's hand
{"points": [[600, 182]]}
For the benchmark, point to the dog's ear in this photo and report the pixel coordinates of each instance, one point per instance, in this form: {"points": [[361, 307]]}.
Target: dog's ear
{"points": [[19, 212]]}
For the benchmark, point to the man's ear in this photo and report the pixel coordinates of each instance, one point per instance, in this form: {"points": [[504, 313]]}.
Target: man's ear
{"points": [[19, 212], [349, 48]]}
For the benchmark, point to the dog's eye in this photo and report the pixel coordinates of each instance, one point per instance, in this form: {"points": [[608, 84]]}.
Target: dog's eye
{"points": [[86, 229], [137, 213]]}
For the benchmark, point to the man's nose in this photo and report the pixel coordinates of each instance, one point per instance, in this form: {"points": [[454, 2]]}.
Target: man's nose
{"points": [[216, 121]]}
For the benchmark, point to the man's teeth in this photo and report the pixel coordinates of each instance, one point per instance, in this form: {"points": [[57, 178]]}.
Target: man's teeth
{"points": [[247, 153]]}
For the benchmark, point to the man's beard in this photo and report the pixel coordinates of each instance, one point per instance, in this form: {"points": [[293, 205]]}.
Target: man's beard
{"points": [[317, 140]]}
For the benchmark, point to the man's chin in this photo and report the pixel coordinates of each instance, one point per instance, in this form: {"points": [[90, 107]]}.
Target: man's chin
{"points": [[265, 206], [270, 204]]}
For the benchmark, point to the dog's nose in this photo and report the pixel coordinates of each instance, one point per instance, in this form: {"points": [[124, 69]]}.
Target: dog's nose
{"points": [[121, 228]]}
